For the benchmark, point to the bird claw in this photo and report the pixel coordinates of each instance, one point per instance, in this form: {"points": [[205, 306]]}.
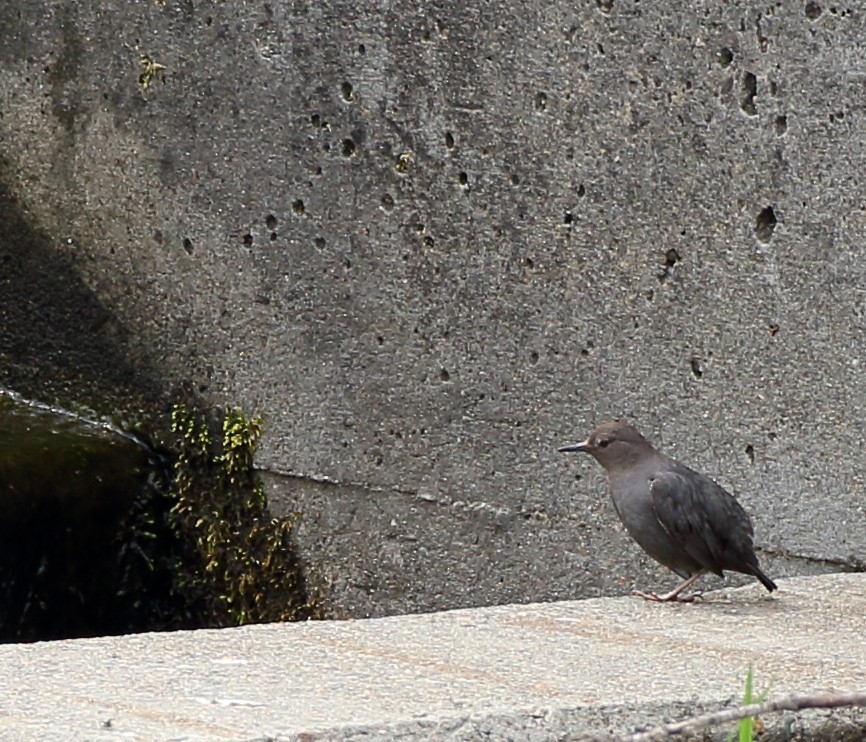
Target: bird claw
{"points": [[668, 597]]}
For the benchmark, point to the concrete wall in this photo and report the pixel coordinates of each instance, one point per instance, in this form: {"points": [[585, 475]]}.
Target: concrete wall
{"points": [[431, 242]]}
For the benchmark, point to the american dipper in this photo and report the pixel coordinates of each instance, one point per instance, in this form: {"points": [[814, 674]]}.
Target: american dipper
{"points": [[681, 518]]}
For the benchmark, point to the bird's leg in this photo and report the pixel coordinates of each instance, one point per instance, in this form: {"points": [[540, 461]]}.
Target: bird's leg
{"points": [[673, 595]]}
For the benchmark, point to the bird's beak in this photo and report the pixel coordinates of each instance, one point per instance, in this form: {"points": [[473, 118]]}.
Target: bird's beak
{"points": [[582, 446]]}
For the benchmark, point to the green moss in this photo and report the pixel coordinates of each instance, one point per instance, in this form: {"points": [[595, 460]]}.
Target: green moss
{"points": [[150, 70], [237, 564]]}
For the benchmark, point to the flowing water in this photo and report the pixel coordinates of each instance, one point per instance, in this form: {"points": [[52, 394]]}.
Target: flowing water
{"points": [[78, 521]]}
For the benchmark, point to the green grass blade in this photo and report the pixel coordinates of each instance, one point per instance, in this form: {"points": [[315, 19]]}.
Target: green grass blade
{"points": [[748, 697]]}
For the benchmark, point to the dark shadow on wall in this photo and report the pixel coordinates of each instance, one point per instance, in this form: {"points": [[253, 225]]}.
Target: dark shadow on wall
{"points": [[75, 508], [58, 343]]}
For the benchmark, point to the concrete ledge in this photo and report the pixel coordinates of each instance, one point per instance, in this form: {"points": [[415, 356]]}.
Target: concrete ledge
{"points": [[546, 671]]}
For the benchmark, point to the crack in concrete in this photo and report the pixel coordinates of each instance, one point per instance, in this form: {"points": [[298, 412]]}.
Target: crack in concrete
{"points": [[851, 564], [336, 483], [445, 501]]}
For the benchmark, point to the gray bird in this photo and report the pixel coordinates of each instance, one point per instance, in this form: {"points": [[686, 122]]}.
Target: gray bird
{"points": [[681, 518]]}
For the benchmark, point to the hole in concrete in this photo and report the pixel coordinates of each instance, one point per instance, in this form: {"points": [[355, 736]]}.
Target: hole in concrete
{"points": [[750, 452], [515, 179], [726, 56], [449, 139], [812, 10], [773, 329], [271, 222], [444, 375], [387, 202], [362, 49], [765, 224], [750, 90], [187, 245], [464, 179], [248, 239], [568, 218], [320, 242], [533, 357], [316, 120], [605, 6], [298, 207], [541, 101], [780, 125], [428, 242], [581, 191], [672, 257], [273, 236], [348, 148], [695, 363], [763, 41], [346, 90]]}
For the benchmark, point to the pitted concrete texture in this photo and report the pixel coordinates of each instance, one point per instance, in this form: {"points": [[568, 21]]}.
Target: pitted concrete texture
{"points": [[533, 672], [431, 243]]}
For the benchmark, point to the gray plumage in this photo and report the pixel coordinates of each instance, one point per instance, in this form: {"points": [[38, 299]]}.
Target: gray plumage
{"points": [[681, 518]]}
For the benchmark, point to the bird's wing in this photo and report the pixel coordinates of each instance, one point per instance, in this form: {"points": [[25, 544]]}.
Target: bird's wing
{"points": [[700, 516]]}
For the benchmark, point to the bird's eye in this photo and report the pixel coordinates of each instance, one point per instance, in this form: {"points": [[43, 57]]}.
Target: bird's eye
{"points": [[603, 443]]}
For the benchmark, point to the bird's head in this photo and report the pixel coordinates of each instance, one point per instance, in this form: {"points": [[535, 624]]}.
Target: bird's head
{"points": [[613, 443]]}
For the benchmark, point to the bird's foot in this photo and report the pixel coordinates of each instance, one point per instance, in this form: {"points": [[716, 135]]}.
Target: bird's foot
{"points": [[671, 597]]}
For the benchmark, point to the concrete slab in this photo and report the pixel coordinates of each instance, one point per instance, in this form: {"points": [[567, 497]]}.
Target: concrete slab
{"points": [[543, 671]]}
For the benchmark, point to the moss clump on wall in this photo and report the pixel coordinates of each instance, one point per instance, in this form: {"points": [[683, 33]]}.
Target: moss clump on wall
{"points": [[236, 564]]}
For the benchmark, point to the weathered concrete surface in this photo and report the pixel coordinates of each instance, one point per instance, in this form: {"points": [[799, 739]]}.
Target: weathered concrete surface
{"points": [[537, 672], [431, 242]]}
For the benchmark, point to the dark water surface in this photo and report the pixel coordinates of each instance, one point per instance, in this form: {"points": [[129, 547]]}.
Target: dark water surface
{"points": [[75, 512]]}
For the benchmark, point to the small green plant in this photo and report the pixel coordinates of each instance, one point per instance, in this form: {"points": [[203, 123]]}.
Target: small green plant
{"points": [[237, 564], [746, 727], [150, 70]]}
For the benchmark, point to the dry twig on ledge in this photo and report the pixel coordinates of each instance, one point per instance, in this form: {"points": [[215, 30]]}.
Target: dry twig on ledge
{"points": [[796, 702]]}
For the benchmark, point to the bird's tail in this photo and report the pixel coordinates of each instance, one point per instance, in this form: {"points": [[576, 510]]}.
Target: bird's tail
{"points": [[765, 581]]}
